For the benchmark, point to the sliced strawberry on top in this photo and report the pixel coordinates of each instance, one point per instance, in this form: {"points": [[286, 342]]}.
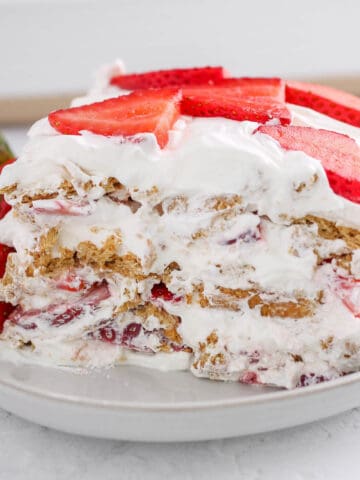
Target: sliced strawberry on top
{"points": [[332, 102], [256, 86], [169, 78], [4, 253], [338, 153], [229, 102], [153, 111]]}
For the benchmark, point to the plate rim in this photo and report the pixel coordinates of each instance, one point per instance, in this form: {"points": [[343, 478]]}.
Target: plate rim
{"points": [[193, 405]]}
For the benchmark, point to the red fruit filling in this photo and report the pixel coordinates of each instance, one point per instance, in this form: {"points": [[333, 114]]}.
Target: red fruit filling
{"points": [[58, 315], [130, 331], [62, 207], [4, 207], [250, 378], [124, 338], [5, 250], [160, 290], [310, 379], [71, 282], [5, 308], [245, 237], [348, 290]]}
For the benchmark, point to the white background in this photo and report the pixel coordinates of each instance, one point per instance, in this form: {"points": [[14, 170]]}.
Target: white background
{"points": [[53, 47]]}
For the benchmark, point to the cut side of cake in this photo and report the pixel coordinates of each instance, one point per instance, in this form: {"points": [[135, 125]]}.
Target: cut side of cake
{"points": [[186, 219]]}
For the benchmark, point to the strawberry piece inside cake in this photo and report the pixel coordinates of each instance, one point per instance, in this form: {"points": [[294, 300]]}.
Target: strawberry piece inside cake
{"points": [[187, 219]]}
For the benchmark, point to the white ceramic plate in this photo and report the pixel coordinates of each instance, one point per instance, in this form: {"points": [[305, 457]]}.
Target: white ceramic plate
{"points": [[132, 403]]}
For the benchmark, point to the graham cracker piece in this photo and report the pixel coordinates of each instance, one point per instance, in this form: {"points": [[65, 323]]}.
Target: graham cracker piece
{"points": [[302, 307], [111, 185], [8, 189], [330, 231], [231, 299], [168, 321], [29, 199], [104, 258], [68, 188], [223, 202]]}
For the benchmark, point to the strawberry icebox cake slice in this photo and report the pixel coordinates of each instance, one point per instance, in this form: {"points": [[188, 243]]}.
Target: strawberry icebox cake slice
{"points": [[187, 219]]}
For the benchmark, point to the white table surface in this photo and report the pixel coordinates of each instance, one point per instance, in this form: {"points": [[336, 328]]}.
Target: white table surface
{"points": [[327, 450]]}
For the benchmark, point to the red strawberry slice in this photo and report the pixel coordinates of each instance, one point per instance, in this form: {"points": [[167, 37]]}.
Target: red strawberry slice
{"points": [[169, 78], [5, 310], [231, 103], [152, 111], [108, 335], [348, 290], [58, 315], [338, 153], [62, 207], [249, 378], [132, 330], [125, 337], [161, 291], [4, 252], [118, 336], [306, 380], [71, 282], [93, 297], [256, 86], [332, 102], [4, 207]]}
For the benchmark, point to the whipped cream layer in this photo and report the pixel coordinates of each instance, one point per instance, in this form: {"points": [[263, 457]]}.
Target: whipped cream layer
{"points": [[197, 161], [258, 244]]}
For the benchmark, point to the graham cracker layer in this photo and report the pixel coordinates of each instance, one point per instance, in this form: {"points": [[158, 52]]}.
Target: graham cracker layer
{"points": [[232, 299], [101, 259], [328, 230]]}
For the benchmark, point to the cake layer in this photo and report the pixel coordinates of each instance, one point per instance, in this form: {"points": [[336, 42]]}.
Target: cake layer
{"points": [[222, 251]]}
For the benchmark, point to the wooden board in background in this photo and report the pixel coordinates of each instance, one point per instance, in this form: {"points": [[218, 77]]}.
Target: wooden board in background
{"points": [[24, 110]]}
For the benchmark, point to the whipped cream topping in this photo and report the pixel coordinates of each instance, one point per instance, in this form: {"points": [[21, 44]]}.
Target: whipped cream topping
{"points": [[198, 160], [205, 157]]}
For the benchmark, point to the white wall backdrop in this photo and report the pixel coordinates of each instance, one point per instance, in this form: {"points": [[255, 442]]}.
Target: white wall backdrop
{"points": [[53, 46]]}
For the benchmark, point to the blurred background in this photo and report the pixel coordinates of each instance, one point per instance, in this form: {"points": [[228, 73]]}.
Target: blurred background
{"points": [[53, 46]]}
